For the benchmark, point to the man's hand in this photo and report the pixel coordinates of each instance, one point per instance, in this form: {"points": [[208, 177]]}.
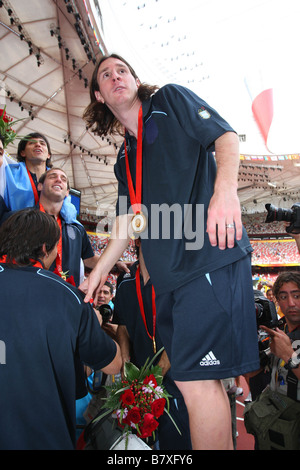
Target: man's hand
{"points": [[118, 242], [280, 343], [224, 220], [92, 285], [122, 266], [224, 209], [164, 363]]}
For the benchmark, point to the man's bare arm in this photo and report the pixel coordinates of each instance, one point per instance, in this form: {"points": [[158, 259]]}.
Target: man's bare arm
{"points": [[116, 246], [224, 207]]}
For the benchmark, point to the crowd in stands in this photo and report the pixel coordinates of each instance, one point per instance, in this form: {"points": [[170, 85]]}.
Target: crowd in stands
{"points": [[100, 240], [255, 224], [267, 278], [265, 252], [88, 218], [281, 252]]}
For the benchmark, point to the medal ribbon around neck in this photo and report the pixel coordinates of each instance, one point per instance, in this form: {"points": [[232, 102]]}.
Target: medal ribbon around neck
{"points": [[58, 261], [138, 220], [36, 264], [141, 304], [35, 192]]}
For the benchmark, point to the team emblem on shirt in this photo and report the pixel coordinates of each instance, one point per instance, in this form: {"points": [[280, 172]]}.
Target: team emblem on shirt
{"points": [[203, 113]]}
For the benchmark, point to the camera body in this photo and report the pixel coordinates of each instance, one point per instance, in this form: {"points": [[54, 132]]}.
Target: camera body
{"points": [[106, 312], [288, 215], [266, 315]]}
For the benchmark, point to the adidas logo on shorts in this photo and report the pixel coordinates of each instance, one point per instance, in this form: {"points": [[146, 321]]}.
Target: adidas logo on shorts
{"points": [[210, 360]]}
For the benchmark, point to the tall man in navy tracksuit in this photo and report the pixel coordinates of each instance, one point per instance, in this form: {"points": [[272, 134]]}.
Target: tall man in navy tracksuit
{"points": [[196, 250]]}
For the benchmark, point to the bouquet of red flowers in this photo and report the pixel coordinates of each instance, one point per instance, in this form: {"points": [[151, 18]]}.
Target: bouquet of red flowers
{"points": [[139, 399], [6, 130]]}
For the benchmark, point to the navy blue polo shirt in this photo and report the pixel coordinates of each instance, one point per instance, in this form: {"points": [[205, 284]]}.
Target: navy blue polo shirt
{"points": [[179, 171], [45, 326], [75, 245]]}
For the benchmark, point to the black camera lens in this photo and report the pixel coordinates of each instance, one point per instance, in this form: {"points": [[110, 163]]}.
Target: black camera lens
{"points": [[278, 214], [106, 312]]}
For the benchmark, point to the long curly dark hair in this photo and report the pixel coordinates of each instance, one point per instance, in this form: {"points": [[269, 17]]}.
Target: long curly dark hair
{"points": [[98, 116]]}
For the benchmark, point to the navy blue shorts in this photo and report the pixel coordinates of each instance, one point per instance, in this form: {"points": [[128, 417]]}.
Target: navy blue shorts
{"points": [[208, 326]]}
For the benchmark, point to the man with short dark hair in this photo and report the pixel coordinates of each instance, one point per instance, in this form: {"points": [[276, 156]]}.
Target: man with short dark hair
{"points": [[276, 423], [270, 294], [106, 294], [286, 290], [46, 328], [75, 244], [33, 149]]}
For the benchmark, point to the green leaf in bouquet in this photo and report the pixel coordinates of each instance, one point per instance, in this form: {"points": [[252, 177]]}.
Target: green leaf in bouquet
{"points": [[155, 357], [131, 371], [99, 417], [167, 411], [145, 370], [157, 372], [113, 394]]}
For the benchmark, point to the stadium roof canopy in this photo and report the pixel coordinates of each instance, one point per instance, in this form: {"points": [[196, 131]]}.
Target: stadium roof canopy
{"points": [[48, 51]]}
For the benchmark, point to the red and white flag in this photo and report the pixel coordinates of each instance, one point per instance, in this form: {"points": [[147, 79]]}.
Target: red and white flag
{"points": [[262, 104], [263, 111]]}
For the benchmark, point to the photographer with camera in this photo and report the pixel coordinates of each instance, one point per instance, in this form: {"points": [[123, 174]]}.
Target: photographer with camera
{"points": [[274, 418], [106, 295], [105, 306], [287, 292]]}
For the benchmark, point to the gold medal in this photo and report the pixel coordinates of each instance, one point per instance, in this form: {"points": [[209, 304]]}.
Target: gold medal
{"points": [[139, 222]]}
